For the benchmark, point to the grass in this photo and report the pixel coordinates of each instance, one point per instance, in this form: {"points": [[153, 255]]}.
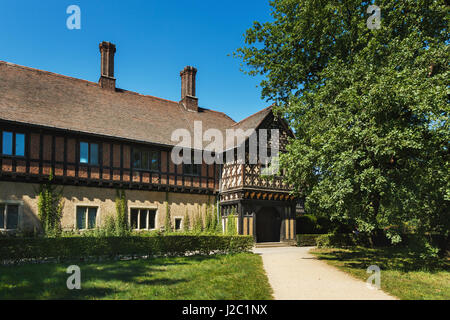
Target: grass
{"points": [[237, 276], [403, 274]]}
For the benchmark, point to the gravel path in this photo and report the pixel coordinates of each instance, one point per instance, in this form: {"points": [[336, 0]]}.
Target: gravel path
{"points": [[295, 274]]}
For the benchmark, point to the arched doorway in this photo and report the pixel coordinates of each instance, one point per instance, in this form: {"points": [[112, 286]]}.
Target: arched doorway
{"points": [[268, 225]]}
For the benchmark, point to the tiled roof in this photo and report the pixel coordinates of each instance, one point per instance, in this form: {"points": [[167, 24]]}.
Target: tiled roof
{"points": [[43, 98], [253, 121]]}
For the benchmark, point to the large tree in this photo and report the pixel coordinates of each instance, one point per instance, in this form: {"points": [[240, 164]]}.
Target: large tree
{"points": [[369, 107]]}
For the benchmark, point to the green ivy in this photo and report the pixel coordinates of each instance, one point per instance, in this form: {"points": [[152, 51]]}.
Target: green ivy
{"points": [[186, 222], [50, 206], [121, 221], [168, 220]]}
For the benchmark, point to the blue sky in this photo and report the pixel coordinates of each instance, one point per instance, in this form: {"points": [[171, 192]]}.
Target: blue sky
{"points": [[155, 39]]}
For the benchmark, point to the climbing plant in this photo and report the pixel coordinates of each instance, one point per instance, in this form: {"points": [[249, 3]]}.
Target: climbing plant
{"points": [[121, 221], [168, 220], [208, 218], [231, 223], [50, 206], [187, 222], [198, 221]]}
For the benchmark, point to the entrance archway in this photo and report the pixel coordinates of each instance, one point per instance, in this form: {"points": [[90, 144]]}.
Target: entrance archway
{"points": [[268, 225]]}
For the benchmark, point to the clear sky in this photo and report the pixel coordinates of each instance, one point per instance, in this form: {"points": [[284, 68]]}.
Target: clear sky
{"points": [[155, 39]]}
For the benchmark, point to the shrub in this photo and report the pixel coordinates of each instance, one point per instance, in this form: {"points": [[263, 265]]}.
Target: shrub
{"points": [[311, 224], [306, 240], [14, 250], [306, 224], [336, 240]]}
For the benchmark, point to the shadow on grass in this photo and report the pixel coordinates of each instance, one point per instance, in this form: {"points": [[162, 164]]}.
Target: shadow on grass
{"points": [[391, 258], [98, 279]]}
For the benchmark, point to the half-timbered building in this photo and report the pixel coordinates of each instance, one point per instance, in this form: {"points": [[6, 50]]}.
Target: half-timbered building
{"points": [[95, 138]]}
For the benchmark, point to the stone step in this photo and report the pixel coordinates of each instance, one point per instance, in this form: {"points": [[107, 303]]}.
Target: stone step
{"points": [[273, 244]]}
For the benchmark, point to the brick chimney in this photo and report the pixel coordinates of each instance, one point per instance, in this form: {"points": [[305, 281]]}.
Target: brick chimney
{"points": [[107, 80], [188, 98]]}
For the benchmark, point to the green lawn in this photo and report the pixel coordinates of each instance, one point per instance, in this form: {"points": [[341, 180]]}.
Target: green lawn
{"points": [[402, 273], [238, 276]]}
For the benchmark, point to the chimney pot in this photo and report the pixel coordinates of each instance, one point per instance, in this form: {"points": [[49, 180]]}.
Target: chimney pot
{"points": [[107, 51]]}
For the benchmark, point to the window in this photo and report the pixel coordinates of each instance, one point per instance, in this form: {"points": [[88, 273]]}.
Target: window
{"points": [[192, 169], [9, 216], [89, 153], [86, 217], [13, 144], [178, 223], [142, 219], [145, 159]]}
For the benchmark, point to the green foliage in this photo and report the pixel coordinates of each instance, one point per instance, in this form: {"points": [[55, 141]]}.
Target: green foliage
{"points": [[208, 217], [307, 240], [198, 221], [214, 222], [427, 249], [50, 206], [186, 222], [311, 224], [336, 240], [168, 220], [121, 221], [110, 226], [369, 108], [211, 220], [231, 223], [219, 226], [15, 250], [306, 224]]}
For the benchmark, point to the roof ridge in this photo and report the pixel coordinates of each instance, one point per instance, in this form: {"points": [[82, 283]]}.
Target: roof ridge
{"points": [[252, 115], [45, 72], [222, 113], [50, 73]]}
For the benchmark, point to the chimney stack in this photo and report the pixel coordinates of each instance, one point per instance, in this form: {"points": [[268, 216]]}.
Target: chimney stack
{"points": [[188, 98], [107, 51]]}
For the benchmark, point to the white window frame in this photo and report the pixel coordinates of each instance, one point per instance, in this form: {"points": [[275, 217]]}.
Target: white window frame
{"points": [[152, 208], [181, 223], [97, 218], [19, 213]]}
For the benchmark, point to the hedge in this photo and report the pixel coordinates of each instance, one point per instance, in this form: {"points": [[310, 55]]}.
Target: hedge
{"points": [[307, 240], [379, 240], [336, 240], [14, 250]]}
